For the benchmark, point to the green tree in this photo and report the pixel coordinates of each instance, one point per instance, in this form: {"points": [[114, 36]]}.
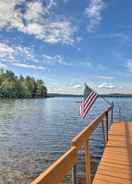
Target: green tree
{"points": [[41, 90], [12, 86], [31, 85], [8, 89]]}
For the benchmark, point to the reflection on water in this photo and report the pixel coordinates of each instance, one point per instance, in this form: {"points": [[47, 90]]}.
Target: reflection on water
{"points": [[33, 133]]}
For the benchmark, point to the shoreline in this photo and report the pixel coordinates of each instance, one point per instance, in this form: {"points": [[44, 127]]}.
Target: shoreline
{"points": [[70, 95]]}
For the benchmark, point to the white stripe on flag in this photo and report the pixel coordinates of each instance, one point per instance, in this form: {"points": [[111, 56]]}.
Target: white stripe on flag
{"points": [[91, 93], [90, 104], [86, 104]]}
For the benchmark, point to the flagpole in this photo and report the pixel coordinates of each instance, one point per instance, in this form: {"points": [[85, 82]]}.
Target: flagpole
{"points": [[93, 95], [110, 103]]}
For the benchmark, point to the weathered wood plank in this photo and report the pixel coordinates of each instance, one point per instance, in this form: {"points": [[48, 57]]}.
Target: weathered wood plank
{"points": [[116, 163]]}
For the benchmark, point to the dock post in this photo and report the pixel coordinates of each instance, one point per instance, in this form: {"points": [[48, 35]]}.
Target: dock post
{"points": [[107, 125], [103, 131], [74, 179], [112, 113], [87, 163]]}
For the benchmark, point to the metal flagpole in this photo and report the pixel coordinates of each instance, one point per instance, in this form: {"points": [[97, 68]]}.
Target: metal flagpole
{"points": [[110, 103]]}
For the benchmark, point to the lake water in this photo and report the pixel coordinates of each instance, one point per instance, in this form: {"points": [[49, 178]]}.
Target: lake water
{"points": [[35, 132]]}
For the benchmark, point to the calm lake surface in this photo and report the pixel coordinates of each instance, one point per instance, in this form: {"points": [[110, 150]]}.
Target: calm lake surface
{"points": [[35, 132]]}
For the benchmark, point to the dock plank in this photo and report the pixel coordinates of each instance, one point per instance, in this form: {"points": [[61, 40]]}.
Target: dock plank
{"points": [[116, 164]]}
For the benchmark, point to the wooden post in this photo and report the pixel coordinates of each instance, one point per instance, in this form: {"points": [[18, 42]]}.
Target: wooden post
{"points": [[119, 113], [74, 179], [112, 113], [87, 164], [107, 124], [103, 131]]}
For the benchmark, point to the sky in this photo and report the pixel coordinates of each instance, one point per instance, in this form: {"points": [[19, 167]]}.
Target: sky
{"points": [[68, 43]]}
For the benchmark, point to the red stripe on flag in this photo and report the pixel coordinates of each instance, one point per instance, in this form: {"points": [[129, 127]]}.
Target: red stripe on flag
{"points": [[86, 104], [82, 108], [89, 96], [90, 104]]}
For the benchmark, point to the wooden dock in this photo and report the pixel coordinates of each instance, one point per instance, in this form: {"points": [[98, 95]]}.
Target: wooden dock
{"points": [[115, 166], [116, 163]]}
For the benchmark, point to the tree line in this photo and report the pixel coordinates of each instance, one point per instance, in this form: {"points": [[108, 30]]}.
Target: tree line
{"points": [[12, 86]]}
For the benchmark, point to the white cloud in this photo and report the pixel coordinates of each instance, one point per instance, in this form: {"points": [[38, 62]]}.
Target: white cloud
{"points": [[21, 65], [6, 51], [93, 12], [107, 85], [77, 86], [3, 66], [122, 36], [57, 59], [11, 53], [106, 77], [129, 65], [66, 88], [58, 31], [37, 19], [34, 11], [25, 57]]}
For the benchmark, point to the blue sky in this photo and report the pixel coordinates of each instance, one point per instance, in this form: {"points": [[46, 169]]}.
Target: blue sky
{"points": [[69, 42]]}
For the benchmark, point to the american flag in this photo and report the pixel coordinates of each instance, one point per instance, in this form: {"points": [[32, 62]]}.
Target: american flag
{"points": [[88, 99]]}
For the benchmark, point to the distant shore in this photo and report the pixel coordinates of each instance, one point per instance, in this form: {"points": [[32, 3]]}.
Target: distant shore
{"points": [[102, 95], [54, 95]]}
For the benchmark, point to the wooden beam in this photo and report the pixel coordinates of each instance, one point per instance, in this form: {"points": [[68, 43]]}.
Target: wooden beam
{"points": [[87, 164], [87, 131], [56, 172]]}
